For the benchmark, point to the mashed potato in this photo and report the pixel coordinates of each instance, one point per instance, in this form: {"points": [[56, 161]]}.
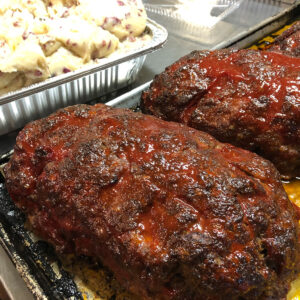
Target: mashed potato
{"points": [[44, 38]]}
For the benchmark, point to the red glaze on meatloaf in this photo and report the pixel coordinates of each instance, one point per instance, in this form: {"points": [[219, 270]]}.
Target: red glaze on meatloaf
{"points": [[248, 98], [172, 212]]}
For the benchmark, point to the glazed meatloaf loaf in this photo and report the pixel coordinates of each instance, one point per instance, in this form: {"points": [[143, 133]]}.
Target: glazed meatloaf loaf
{"points": [[248, 98], [172, 212]]}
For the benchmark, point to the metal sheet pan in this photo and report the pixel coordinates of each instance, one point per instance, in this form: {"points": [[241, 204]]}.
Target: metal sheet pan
{"points": [[92, 81]]}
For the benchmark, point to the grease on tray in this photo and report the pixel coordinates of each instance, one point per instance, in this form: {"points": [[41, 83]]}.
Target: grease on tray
{"points": [[94, 281], [44, 38], [268, 40]]}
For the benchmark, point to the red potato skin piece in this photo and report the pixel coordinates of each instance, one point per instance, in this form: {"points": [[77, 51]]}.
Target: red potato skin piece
{"points": [[288, 42], [248, 98], [174, 213]]}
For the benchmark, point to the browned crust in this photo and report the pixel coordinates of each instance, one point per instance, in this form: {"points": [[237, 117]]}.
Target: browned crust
{"points": [[171, 211], [248, 98]]}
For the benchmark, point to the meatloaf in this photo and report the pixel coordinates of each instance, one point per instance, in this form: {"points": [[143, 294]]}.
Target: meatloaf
{"points": [[288, 42], [172, 212], [248, 98]]}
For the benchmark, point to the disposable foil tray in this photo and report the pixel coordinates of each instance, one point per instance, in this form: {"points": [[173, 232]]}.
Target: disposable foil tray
{"points": [[38, 100], [195, 20], [216, 24]]}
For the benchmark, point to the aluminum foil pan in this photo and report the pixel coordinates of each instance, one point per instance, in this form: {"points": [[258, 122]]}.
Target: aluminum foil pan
{"points": [[196, 20], [38, 100]]}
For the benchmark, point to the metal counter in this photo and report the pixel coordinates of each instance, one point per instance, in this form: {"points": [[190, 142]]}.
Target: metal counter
{"points": [[12, 285]]}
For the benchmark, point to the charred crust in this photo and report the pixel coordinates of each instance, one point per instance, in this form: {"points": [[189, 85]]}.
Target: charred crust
{"points": [[172, 212]]}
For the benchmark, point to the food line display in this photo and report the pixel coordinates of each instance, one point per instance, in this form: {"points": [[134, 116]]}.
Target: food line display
{"points": [[48, 157]]}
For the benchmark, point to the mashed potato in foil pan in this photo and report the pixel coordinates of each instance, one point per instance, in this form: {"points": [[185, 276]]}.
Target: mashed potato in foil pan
{"points": [[55, 53], [40, 39]]}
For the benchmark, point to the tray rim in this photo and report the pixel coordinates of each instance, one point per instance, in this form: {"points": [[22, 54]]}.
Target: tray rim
{"points": [[21, 266]]}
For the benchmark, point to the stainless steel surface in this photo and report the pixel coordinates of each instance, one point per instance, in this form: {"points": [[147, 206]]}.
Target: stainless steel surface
{"points": [[130, 99], [33, 102], [12, 286]]}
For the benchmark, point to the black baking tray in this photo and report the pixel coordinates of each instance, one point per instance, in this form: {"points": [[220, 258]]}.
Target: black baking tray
{"points": [[34, 260]]}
